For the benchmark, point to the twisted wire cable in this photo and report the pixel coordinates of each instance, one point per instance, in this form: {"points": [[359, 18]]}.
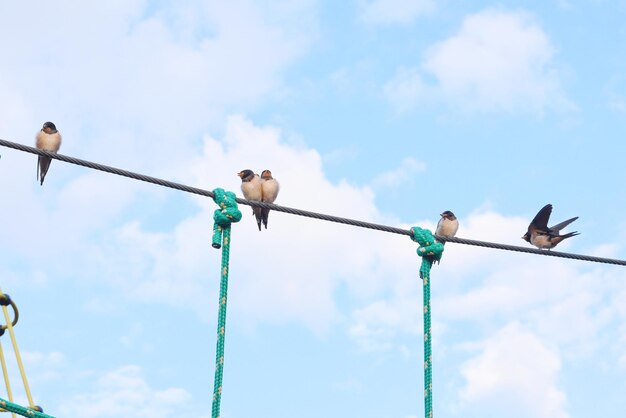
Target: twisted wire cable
{"points": [[300, 212]]}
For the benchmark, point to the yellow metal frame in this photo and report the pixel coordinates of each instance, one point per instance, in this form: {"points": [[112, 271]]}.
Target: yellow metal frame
{"points": [[18, 358]]}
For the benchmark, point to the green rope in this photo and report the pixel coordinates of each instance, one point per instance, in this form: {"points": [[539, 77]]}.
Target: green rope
{"points": [[223, 217], [430, 250], [21, 410]]}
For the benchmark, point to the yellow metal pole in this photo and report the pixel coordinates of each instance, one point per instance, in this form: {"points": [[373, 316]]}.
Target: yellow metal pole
{"points": [[17, 355], [6, 379]]}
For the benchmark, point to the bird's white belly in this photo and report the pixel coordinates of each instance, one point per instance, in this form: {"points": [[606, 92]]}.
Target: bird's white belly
{"points": [[270, 191], [50, 143], [541, 241], [447, 228], [251, 190]]}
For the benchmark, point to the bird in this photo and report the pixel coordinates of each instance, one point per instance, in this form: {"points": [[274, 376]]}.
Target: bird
{"points": [[447, 225], [544, 237], [251, 188], [47, 139], [270, 188]]}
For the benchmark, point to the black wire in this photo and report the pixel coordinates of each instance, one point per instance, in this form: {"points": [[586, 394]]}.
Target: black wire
{"points": [[300, 212], [549, 253]]}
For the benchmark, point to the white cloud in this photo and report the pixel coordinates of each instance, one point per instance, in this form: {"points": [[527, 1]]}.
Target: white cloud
{"points": [[174, 264], [143, 79], [497, 61], [43, 366], [294, 282], [398, 176], [135, 90], [340, 155], [606, 250], [405, 89], [125, 392], [387, 12], [486, 288], [376, 326], [134, 337], [515, 372]]}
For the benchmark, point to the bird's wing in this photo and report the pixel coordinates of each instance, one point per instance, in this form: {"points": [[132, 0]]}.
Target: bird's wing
{"points": [[540, 221], [558, 227]]}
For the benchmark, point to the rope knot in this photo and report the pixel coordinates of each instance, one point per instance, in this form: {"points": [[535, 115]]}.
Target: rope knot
{"points": [[429, 247], [228, 211], [225, 215]]}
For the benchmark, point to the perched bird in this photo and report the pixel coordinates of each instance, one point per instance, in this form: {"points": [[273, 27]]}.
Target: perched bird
{"points": [[447, 225], [542, 236], [47, 139], [270, 188], [251, 188]]}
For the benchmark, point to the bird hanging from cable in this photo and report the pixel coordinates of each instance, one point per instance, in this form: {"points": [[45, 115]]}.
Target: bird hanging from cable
{"points": [[47, 139], [270, 188], [447, 225], [544, 237], [252, 190]]}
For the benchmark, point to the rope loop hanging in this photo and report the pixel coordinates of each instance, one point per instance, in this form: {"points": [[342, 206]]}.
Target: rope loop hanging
{"points": [[430, 250], [223, 217]]}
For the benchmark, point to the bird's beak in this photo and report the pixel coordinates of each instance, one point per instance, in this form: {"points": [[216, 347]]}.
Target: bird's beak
{"points": [[238, 174]]}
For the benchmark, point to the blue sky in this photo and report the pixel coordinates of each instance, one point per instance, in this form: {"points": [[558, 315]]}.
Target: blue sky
{"points": [[388, 111]]}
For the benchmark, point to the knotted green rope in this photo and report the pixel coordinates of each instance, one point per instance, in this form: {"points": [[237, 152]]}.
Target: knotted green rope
{"points": [[21, 410], [430, 250], [223, 217]]}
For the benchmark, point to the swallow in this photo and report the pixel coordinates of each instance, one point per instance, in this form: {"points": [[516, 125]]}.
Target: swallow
{"points": [[270, 188], [47, 139], [447, 225], [251, 188], [542, 236]]}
